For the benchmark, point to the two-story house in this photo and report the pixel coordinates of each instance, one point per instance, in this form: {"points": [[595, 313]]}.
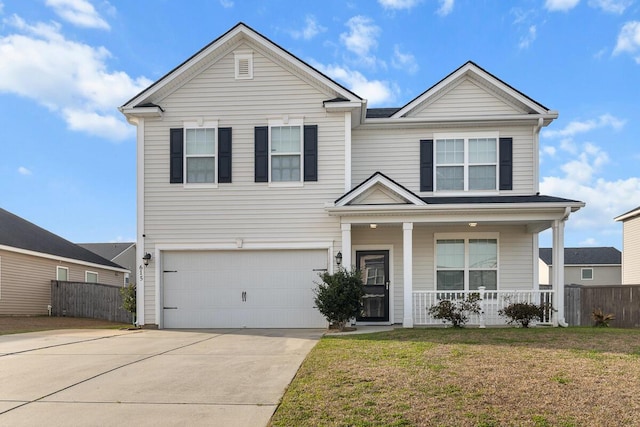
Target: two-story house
{"points": [[630, 246], [256, 172]]}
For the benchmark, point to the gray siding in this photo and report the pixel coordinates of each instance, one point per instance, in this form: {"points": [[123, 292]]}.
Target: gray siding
{"points": [[25, 282], [602, 275], [631, 251], [396, 153]]}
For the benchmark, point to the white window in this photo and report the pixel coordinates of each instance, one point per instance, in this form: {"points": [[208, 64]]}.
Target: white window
{"points": [[466, 263], [587, 273], [466, 163], [200, 150], [90, 277], [62, 274], [285, 150]]}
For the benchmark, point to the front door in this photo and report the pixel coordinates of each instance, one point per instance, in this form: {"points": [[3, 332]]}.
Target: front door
{"points": [[374, 266]]}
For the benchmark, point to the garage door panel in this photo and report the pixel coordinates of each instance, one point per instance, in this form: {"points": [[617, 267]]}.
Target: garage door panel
{"points": [[207, 289]]}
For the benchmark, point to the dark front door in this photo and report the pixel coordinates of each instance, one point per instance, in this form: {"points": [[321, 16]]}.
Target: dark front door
{"points": [[374, 266]]}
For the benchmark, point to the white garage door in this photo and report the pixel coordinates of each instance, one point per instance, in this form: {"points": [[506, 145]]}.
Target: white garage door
{"points": [[238, 289]]}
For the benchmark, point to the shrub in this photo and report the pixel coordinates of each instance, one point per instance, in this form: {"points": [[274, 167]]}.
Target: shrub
{"points": [[523, 312], [338, 297], [601, 319], [457, 312], [128, 294]]}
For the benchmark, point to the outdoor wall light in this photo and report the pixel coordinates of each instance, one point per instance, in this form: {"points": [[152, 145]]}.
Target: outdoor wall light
{"points": [[473, 224], [339, 258], [146, 258], [373, 226]]}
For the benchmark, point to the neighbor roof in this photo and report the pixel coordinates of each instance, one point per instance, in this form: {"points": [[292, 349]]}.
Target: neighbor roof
{"points": [[107, 250], [585, 256], [18, 233]]}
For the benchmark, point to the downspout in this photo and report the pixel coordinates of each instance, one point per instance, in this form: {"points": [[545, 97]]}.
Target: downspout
{"points": [[536, 152]]}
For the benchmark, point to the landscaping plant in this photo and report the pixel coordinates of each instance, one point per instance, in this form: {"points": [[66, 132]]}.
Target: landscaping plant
{"points": [[523, 312], [339, 296], [601, 318], [457, 312], [128, 294]]}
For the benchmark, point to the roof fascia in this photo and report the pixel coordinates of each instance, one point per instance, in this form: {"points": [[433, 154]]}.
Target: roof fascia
{"points": [[628, 215], [60, 258], [392, 186], [466, 121], [480, 73]]}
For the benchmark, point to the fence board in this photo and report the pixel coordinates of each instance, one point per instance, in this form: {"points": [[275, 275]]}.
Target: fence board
{"points": [[623, 301], [90, 300]]}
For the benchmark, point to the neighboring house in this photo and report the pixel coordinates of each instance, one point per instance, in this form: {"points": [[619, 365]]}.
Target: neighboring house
{"points": [[584, 266], [31, 257], [122, 253], [256, 172], [630, 246]]}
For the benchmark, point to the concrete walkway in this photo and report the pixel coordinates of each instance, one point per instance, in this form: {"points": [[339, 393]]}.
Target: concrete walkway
{"points": [[148, 377]]}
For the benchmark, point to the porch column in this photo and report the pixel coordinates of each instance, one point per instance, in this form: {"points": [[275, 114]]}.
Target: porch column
{"points": [[558, 270], [407, 262], [346, 247]]}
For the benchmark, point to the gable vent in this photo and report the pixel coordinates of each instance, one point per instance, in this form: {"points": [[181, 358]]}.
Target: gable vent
{"points": [[244, 65]]}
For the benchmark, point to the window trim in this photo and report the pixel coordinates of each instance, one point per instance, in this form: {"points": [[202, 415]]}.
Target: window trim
{"points": [[582, 270], [200, 124], [86, 278], [243, 55], [466, 237], [465, 165], [287, 122], [58, 268]]}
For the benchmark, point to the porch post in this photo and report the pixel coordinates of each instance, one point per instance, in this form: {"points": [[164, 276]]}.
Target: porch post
{"points": [[407, 262], [346, 247], [558, 270]]}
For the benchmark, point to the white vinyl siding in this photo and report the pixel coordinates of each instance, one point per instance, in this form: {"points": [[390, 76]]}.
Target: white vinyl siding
{"points": [[243, 209], [631, 251]]}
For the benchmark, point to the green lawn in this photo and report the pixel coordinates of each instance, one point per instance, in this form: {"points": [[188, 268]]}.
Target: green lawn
{"points": [[469, 377]]}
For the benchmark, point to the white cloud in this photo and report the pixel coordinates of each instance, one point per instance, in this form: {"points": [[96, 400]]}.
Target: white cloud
{"points": [[362, 37], [311, 29], [446, 7], [24, 171], [227, 4], [78, 12], [629, 40], [529, 38], [611, 6], [375, 91], [67, 77], [398, 4], [404, 61], [576, 127], [560, 5], [590, 241]]}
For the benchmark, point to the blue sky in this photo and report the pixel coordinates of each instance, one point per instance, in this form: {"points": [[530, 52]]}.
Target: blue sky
{"points": [[68, 160]]}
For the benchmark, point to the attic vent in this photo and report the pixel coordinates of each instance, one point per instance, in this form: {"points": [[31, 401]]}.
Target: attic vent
{"points": [[244, 65]]}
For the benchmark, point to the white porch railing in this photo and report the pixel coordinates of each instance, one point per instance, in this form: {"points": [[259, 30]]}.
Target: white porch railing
{"points": [[490, 302]]}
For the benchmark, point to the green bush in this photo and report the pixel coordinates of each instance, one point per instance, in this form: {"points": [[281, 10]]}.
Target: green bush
{"points": [[523, 312], [339, 296], [456, 312], [128, 294]]}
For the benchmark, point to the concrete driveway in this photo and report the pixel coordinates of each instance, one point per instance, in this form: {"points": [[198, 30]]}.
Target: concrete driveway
{"points": [[148, 377]]}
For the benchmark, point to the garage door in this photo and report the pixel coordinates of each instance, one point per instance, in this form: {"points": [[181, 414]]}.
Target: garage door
{"points": [[238, 289]]}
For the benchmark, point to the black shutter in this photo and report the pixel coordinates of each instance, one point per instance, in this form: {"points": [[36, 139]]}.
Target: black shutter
{"points": [[506, 164], [261, 154], [311, 153], [175, 156], [224, 155], [426, 165]]}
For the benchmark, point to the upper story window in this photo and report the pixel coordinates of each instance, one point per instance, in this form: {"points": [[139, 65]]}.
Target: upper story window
{"points": [[286, 153], [200, 155], [466, 164]]}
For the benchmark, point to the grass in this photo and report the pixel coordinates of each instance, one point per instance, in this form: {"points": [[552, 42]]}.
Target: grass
{"points": [[470, 377]]}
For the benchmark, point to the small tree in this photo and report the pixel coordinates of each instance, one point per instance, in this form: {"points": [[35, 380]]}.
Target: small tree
{"points": [[523, 312], [456, 312], [128, 294], [601, 318], [339, 296]]}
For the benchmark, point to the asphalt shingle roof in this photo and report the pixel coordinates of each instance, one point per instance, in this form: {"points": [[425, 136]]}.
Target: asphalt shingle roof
{"points": [[585, 256], [22, 234], [107, 250]]}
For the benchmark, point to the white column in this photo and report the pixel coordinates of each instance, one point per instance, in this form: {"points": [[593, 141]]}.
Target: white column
{"points": [[558, 270], [407, 262], [346, 246]]}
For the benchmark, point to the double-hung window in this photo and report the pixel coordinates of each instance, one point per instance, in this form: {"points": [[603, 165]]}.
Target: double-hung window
{"points": [[464, 263], [285, 151], [200, 154], [466, 163]]}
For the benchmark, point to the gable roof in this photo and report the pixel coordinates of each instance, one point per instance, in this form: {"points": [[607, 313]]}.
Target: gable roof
{"points": [[235, 35], [585, 256], [19, 233], [394, 189], [107, 250], [471, 69], [628, 215]]}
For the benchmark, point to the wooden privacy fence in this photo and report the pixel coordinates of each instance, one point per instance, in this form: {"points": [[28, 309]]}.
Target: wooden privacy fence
{"points": [[92, 300], [623, 301]]}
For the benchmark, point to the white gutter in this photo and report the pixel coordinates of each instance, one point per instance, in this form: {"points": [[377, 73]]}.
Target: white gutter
{"points": [[546, 118]]}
